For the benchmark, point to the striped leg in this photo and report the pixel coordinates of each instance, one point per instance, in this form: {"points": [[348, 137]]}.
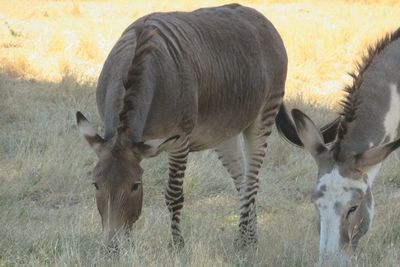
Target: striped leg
{"points": [[174, 193], [230, 153], [255, 144]]}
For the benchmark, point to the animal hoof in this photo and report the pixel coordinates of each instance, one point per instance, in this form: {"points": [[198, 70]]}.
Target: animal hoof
{"points": [[245, 242], [177, 243]]}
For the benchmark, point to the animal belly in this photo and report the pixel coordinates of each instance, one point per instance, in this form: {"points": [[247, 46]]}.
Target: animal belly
{"points": [[210, 135]]}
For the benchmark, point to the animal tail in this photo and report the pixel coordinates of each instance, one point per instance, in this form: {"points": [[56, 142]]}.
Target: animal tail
{"points": [[287, 129]]}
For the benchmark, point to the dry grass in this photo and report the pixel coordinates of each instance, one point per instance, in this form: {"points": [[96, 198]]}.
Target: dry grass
{"points": [[51, 53]]}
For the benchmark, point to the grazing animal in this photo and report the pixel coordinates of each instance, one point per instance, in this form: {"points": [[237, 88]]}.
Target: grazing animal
{"points": [[367, 133], [180, 82]]}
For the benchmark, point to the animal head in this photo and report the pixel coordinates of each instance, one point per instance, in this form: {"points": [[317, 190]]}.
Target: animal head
{"points": [[342, 193], [117, 177]]}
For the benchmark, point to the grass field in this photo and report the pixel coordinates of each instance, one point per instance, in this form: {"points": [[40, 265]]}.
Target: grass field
{"points": [[51, 53]]}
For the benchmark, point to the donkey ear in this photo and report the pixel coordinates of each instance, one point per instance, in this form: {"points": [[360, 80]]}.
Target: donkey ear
{"points": [[152, 148], [88, 133], [308, 133], [375, 155]]}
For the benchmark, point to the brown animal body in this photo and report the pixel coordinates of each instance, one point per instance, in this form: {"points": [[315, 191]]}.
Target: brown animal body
{"points": [[181, 82]]}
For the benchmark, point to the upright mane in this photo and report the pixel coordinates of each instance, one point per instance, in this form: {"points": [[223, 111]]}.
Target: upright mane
{"points": [[144, 47], [351, 101]]}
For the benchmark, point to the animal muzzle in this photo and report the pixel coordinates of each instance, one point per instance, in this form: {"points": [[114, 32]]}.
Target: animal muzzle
{"points": [[114, 239], [331, 251], [332, 254]]}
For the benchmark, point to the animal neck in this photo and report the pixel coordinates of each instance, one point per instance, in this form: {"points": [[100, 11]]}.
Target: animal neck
{"points": [[371, 109], [139, 88], [135, 112], [376, 123], [357, 140]]}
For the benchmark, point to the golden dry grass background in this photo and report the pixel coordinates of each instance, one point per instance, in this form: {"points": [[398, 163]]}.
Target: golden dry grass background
{"points": [[51, 53]]}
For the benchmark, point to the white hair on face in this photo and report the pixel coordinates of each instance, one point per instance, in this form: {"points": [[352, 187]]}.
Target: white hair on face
{"points": [[330, 230], [336, 192]]}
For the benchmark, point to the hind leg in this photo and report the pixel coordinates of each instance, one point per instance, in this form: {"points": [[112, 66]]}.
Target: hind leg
{"points": [[255, 145], [230, 153]]}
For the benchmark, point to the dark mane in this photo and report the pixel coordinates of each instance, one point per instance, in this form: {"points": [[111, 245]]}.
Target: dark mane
{"points": [[144, 47], [351, 101]]}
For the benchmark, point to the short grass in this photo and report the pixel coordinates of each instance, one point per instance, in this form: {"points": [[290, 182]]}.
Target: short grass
{"points": [[51, 53]]}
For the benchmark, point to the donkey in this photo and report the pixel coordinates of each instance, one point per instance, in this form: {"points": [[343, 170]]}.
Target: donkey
{"points": [[367, 133], [181, 82]]}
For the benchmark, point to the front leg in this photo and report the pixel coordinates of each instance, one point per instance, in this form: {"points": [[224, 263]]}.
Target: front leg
{"points": [[174, 193]]}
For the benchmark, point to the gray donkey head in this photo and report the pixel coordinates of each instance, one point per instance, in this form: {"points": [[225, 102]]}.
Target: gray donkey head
{"points": [[342, 193]]}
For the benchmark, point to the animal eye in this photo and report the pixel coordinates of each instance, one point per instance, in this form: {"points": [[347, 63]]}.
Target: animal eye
{"points": [[135, 187], [95, 185], [351, 210]]}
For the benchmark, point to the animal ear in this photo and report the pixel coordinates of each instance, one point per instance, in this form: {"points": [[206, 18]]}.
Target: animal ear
{"points": [[152, 148], [375, 155], [308, 133], [89, 134]]}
